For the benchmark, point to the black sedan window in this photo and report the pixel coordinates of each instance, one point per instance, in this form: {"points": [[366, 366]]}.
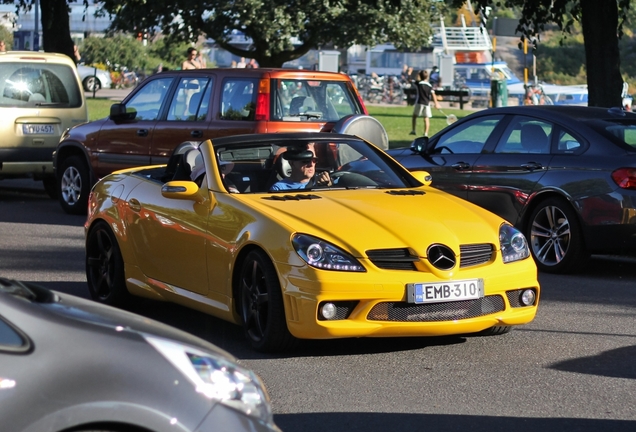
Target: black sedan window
{"points": [[526, 135], [470, 137]]}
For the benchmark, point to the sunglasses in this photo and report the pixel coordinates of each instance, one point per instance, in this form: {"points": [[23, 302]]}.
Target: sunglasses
{"points": [[309, 161]]}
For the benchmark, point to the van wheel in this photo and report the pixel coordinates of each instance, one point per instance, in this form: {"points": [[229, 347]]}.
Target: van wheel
{"points": [[74, 185]]}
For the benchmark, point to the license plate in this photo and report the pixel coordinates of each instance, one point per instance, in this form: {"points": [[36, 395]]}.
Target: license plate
{"points": [[438, 292], [38, 129]]}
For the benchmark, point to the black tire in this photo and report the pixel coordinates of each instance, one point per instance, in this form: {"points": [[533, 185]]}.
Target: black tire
{"points": [[105, 267], [90, 82], [74, 185], [50, 186], [555, 237], [495, 331], [261, 305]]}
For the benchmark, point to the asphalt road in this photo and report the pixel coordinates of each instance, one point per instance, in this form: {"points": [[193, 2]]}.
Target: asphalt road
{"points": [[572, 369]]}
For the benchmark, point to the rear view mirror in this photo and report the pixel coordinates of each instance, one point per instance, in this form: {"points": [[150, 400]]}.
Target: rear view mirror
{"points": [[420, 145]]}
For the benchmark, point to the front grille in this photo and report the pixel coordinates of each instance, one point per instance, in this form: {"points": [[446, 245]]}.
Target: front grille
{"points": [[475, 254], [392, 259], [401, 259], [449, 311]]}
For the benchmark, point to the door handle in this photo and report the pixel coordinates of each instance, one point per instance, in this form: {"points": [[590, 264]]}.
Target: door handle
{"points": [[531, 166], [134, 204], [142, 132], [461, 166], [196, 134]]}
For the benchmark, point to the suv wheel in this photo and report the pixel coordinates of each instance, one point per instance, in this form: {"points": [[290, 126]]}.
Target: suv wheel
{"points": [[74, 185]]}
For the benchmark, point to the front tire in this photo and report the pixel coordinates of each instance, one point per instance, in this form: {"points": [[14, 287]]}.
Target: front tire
{"points": [[91, 83], [261, 303], [556, 238], [105, 267], [74, 185]]}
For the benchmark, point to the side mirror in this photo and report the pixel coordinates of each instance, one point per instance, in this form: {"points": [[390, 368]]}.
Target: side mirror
{"points": [[423, 177], [118, 112], [420, 145], [185, 190]]}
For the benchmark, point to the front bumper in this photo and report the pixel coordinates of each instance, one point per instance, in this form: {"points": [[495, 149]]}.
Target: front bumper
{"points": [[379, 308]]}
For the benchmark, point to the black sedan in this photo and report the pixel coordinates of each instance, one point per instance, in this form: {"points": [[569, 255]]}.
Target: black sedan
{"points": [[565, 176], [72, 364]]}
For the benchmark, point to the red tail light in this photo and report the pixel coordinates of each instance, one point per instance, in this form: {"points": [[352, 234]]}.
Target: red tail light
{"points": [[262, 100], [625, 178]]}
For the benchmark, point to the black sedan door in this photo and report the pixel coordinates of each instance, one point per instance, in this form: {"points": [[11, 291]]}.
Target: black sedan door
{"points": [[504, 177], [453, 153]]}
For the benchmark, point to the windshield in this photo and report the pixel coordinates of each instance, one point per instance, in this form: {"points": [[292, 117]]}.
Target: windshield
{"points": [[312, 100], [282, 166]]}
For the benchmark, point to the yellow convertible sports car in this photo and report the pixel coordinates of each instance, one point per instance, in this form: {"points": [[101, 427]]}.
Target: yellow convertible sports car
{"points": [[306, 236]]}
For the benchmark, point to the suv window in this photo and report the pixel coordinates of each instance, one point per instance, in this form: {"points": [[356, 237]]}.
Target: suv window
{"points": [[37, 84], [146, 103], [191, 100], [309, 100], [238, 101]]}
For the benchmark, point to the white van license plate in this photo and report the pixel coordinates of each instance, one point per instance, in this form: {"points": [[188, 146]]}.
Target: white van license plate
{"points": [[38, 129]]}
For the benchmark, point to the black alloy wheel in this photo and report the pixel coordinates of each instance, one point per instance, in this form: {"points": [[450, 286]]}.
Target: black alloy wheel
{"points": [[105, 267], [555, 237], [261, 303]]}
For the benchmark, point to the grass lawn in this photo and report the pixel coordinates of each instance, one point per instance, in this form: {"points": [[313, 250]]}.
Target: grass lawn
{"points": [[395, 119]]}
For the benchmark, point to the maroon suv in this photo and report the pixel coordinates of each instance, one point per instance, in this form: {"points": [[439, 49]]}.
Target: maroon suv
{"points": [[193, 105]]}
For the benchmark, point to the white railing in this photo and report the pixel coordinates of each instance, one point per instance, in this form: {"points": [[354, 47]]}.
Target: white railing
{"points": [[462, 38]]}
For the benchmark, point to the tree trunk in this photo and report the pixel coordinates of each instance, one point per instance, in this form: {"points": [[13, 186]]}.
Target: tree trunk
{"points": [[602, 57], [56, 30]]}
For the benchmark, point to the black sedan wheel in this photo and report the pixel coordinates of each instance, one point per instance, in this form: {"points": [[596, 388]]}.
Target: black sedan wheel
{"points": [[74, 185], [261, 305], [105, 267], [555, 236]]}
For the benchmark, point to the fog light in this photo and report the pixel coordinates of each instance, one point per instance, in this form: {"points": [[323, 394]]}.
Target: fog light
{"points": [[527, 297], [328, 311]]}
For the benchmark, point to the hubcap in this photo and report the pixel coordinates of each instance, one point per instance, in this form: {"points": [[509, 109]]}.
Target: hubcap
{"points": [[71, 185], [550, 236]]}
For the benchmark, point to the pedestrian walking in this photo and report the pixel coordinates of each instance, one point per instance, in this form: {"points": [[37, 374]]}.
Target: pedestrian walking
{"points": [[191, 60], [425, 94]]}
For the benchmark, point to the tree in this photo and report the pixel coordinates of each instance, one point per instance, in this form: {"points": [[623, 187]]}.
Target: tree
{"points": [[56, 31], [602, 23], [274, 25]]}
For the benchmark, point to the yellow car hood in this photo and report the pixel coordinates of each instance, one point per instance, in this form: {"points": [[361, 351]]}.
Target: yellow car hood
{"points": [[370, 219]]}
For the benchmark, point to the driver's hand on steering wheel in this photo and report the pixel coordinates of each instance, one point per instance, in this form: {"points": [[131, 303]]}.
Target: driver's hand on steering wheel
{"points": [[324, 179]]}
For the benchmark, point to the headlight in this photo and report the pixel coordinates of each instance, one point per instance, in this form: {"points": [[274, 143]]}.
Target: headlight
{"points": [[217, 378], [323, 255], [514, 246]]}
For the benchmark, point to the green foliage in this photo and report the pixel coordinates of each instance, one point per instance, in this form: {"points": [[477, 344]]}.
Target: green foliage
{"points": [[7, 37], [131, 53], [272, 24]]}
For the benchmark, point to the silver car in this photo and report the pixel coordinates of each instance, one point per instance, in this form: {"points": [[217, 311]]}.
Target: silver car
{"points": [[70, 363], [93, 78]]}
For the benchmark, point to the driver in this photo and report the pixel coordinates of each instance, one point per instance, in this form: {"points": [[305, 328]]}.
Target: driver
{"points": [[303, 168]]}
